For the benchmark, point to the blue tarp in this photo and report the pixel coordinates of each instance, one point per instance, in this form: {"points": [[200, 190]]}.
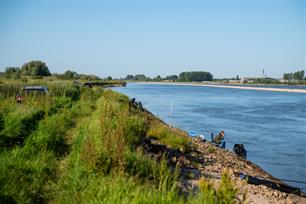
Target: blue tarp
{"points": [[192, 134]]}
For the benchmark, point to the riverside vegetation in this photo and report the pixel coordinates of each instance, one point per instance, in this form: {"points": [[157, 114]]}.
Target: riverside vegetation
{"points": [[83, 145]]}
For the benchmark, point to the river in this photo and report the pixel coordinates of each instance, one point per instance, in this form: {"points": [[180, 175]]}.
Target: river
{"points": [[271, 125]]}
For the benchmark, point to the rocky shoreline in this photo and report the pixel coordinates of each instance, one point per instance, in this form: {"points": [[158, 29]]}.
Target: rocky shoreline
{"points": [[223, 159], [205, 160]]}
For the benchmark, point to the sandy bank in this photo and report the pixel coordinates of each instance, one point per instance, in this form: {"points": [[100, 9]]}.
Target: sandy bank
{"points": [[231, 87]]}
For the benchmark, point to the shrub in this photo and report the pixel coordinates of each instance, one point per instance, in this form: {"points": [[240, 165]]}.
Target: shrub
{"points": [[208, 193], [226, 192]]}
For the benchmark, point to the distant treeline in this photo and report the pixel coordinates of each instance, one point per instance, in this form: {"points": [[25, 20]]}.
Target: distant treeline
{"points": [[36, 69], [298, 75], [193, 76], [71, 75]]}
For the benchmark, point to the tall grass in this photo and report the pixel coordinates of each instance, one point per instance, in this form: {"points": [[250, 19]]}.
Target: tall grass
{"points": [[224, 194], [162, 133], [18, 125], [104, 147], [9, 90], [81, 145], [27, 171]]}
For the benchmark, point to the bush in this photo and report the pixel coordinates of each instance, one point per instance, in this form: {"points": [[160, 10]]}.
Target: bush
{"points": [[35, 68], [226, 192]]}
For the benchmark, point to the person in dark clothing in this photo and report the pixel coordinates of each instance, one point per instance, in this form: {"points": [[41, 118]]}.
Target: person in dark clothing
{"points": [[212, 137], [219, 140], [18, 98], [240, 150]]}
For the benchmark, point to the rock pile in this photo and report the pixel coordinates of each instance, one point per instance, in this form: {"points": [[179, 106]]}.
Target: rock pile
{"points": [[209, 161]]}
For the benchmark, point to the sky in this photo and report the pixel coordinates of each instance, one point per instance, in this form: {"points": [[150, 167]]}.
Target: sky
{"points": [[116, 38]]}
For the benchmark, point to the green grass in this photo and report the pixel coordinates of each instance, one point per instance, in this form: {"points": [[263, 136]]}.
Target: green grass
{"points": [[18, 124], [166, 136], [81, 145]]}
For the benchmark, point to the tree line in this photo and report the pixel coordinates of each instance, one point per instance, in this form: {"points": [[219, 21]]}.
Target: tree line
{"points": [[72, 75], [192, 76], [298, 75], [38, 68], [32, 68]]}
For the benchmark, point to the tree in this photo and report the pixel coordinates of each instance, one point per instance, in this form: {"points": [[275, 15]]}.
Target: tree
{"points": [[140, 77], [197, 76], [286, 76], [298, 75], [129, 77], [157, 78], [109, 78], [89, 77], [35, 68], [172, 77], [12, 72], [70, 75]]}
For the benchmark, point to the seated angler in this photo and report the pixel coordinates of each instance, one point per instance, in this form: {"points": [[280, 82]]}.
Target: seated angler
{"points": [[219, 140]]}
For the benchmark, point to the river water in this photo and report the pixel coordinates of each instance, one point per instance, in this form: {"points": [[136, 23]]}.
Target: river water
{"points": [[271, 125]]}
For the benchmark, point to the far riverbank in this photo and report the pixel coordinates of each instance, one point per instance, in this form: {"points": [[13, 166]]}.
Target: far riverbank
{"points": [[230, 86]]}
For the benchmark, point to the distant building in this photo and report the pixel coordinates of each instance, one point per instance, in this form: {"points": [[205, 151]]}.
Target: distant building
{"points": [[283, 81], [247, 80], [234, 81]]}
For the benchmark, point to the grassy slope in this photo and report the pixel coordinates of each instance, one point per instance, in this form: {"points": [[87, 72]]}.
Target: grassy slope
{"points": [[83, 145]]}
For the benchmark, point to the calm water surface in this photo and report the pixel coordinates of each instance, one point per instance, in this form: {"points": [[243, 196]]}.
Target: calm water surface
{"points": [[272, 125]]}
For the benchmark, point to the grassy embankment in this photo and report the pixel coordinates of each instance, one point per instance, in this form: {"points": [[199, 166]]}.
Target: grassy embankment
{"points": [[82, 145]]}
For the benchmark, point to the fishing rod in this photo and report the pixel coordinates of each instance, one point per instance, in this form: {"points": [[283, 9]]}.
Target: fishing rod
{"points": [[149, 100], [293, 181]]}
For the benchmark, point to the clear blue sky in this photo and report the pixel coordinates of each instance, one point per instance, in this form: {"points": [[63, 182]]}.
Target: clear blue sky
{"points": [[155, 37]]}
